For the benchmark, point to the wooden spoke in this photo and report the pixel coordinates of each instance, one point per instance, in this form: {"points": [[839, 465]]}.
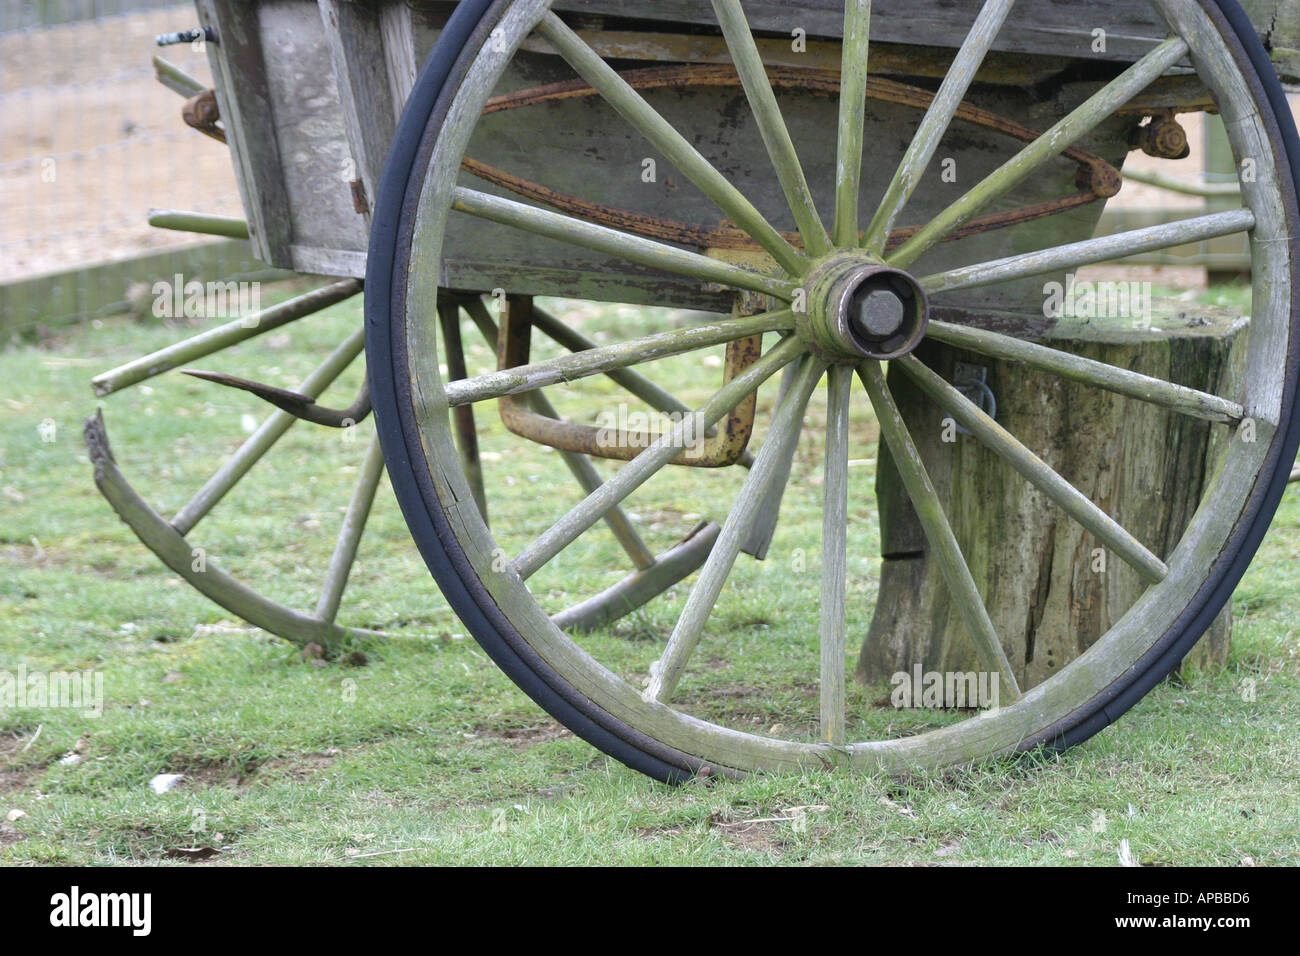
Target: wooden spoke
{"points": [[588, 478], [771, 124], [570, 338], [354, 524], [655, 457], [1089, 251], [667, 672], [615, 90], [835, 521], [646, 252], [1099, 107], [262, 440], [466, 432], [852, 119], [935, 123], [1037, 472], [929, 510], [633, 381], [1176, 398], [760, 536], [576, 365], [224, 336], [579, 465]]}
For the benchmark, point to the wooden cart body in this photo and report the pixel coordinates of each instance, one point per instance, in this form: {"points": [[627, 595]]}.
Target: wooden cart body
{"points": [[310, 93]]}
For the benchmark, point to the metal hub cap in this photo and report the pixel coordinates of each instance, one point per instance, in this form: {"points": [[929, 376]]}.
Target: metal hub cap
{"points": [[855, 308]]}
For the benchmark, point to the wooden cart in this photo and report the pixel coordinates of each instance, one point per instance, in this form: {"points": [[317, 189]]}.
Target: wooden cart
{"points": [[854, 193]]}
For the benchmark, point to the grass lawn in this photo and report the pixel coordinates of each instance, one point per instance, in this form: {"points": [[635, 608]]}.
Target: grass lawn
{"points": [[416, 750]]}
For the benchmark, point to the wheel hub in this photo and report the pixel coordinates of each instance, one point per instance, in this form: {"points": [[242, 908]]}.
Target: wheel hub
{"points": [[855, 307]]}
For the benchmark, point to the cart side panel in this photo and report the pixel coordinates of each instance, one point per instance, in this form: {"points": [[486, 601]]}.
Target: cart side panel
{"points": [[314, 150]]}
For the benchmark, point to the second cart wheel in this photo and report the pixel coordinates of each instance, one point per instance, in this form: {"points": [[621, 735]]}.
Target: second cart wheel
{"points": [[843, 301]]}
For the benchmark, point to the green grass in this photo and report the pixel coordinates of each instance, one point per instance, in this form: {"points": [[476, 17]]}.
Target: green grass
{"points": [[420, 751]]}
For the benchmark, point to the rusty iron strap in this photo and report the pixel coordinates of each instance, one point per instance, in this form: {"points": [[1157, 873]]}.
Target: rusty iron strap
{"points": [[1097, 178], [725, 447]]}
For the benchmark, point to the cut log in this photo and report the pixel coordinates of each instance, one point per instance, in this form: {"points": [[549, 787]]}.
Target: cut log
{"points": [[1051, 588]]}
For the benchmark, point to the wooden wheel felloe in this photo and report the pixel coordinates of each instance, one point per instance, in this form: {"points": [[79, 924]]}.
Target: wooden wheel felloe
{"points": [[173, 539], [655, 711]]}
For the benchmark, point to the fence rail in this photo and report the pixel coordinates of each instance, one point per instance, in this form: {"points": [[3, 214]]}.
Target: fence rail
{"points": [[16, 15], [89, 142]]}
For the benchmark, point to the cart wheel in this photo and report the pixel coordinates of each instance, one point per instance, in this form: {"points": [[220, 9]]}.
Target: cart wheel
{"points": [[846, 302], [173, 540], [184, 553]]}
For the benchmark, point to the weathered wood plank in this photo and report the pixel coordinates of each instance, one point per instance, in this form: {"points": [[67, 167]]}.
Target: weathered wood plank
{"points": [[1038, 26], [355, 39], [310, 126], [248, 109]]}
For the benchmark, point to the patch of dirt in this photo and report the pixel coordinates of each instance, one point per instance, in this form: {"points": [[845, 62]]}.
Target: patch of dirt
{"points": [[523, 738], [14, 779], [199, 774], [147, 843], [765, 837], [299, 766], [213, 776], [9, 835]]}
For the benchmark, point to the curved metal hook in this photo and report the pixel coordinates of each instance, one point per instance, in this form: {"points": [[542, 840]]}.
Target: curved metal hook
{"points": [[295, 403]]}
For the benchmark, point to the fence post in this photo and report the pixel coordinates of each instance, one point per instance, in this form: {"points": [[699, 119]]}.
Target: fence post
{"points": [[1221, 167]]}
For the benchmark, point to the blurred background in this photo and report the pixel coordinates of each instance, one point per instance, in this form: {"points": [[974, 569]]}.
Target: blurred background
{"points": [[90, 140]]}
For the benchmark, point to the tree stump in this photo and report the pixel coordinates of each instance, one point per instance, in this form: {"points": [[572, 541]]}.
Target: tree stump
{"points": [[1050, 588]]}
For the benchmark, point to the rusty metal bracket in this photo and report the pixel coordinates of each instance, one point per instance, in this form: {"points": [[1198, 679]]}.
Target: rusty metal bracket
{"points": [[1097, 179], [1162, 137], [726, 446], [202, 113]]}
